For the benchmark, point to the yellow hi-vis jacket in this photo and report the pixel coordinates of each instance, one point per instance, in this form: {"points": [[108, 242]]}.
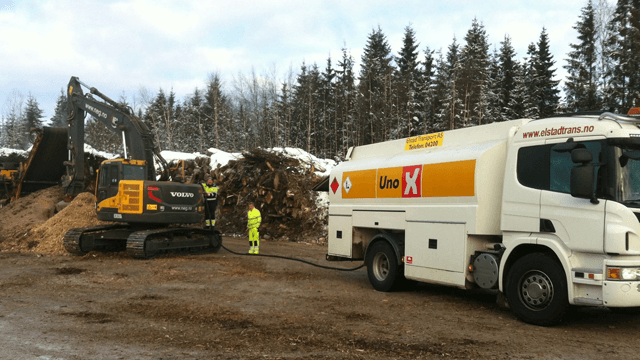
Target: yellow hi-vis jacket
{"points": [[254, 219], [211, 192]]}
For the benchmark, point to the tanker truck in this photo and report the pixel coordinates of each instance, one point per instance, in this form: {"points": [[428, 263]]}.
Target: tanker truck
{"points": [[543, 212]]}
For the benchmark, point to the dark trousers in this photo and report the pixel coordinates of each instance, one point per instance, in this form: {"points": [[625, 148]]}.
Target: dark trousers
{"points": [[210, 212]]}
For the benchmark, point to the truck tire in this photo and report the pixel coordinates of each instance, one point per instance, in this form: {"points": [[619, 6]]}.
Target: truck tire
{"points": [[537, 290], [382, 267]]}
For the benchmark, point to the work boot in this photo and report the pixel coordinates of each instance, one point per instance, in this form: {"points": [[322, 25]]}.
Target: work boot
{"points": [[256, 250], [251, 249]]}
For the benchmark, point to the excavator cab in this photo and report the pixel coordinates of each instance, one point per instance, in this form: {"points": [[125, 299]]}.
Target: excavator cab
{"points": [[112, 171]]}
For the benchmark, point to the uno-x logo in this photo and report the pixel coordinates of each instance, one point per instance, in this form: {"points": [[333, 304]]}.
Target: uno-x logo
{"points": [[411, 181], [405, 182]]}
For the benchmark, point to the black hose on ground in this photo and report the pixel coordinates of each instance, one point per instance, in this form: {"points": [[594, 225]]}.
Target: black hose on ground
{"points": [[294, 259]]}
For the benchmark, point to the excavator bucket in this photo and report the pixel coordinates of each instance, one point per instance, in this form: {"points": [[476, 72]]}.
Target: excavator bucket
{"points": [[45, 165]]}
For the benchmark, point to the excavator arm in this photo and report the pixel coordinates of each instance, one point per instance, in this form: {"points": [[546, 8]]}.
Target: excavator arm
{"points": [[137, 138]]}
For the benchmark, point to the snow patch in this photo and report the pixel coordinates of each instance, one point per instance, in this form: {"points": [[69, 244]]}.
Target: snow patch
{"points": [[222, 158], [7, 152], [89, 150], [322, 166]]}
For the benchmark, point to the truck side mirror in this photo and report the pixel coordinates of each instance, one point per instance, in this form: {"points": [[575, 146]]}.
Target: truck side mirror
{"points": [[583, 176], [633, 154]]}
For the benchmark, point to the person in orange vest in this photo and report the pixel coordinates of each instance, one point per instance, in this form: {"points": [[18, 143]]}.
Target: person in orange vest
{"points": [[253, 223]]}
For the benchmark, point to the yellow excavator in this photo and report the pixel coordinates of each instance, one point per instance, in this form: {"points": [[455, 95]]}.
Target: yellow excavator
{"points": [[153, 215]]}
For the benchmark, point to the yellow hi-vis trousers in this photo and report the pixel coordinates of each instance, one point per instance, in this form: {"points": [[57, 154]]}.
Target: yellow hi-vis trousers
{"points": [[254, 240]]}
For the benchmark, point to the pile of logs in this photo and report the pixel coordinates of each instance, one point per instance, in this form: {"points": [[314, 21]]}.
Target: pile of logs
{"points": [[278, 186], [190, 171]]}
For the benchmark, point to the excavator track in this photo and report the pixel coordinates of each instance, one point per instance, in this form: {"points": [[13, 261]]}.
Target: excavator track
{"points": [[140, 244], [79, 241], [149, 243]]}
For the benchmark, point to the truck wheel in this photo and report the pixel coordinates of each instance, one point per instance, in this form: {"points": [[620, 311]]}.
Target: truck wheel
{"points": [[537, 290], [382, 267]]}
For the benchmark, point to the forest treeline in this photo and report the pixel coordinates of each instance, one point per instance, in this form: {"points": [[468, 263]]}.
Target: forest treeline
{"points": [[324, 109]]}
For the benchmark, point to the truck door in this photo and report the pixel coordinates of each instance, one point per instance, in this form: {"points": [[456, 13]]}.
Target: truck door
{"points": [[578, 222]]}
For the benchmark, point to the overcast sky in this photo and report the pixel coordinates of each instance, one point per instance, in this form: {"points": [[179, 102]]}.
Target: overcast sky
{"points": [[121, 46]]}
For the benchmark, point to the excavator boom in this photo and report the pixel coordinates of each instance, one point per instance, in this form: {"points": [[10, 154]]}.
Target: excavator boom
{"points": [[137, 138]]}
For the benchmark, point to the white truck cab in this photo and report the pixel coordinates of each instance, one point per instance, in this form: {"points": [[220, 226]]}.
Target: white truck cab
{"points": [[545, 211]]}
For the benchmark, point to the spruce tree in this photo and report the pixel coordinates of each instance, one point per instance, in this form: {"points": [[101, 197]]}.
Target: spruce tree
{"points": [[426, 94], [153, 117], [217, 129], [506, 79], [474, 76], [495, 110], [623, 47], [532, 109], [32, 119], [285, 112], [346, 111], [327, 115], [603, 11], [581, 85], [306, 108], [548, 96], [59, 118], [12, 129], [375, 87], [408, 80], [448, 101], [517, 106], [191, 132]]}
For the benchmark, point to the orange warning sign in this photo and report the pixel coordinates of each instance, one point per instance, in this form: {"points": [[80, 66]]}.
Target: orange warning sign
{"points": [[359, 184]]}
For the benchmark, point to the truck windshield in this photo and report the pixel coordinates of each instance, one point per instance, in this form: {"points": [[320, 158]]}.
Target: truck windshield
{"points": [[627, 177], [133, 172]]}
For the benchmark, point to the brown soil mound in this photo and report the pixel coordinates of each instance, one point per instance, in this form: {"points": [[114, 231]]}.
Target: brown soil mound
{"points": [[79, 213], [22, 214]]}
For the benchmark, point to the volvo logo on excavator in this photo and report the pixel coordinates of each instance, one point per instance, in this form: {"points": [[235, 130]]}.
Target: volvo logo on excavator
{"points": [[181, 194]]}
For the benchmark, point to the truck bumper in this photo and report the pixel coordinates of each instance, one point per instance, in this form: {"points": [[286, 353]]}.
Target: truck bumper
{"points": [[621, 293]]}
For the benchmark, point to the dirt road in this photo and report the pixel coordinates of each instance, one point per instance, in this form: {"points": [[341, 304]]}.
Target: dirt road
{"points": [[224, 306]]}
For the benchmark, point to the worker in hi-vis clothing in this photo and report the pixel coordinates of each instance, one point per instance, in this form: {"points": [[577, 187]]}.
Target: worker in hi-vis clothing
{"points": [[253, 223], [210, 203]]}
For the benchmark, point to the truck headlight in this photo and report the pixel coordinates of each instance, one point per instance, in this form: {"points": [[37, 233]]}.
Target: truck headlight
{"points": [[623, 273]]}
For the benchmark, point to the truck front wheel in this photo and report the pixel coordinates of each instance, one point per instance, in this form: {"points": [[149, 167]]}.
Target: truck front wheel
{"points": [[382, 266], [537, 290]]}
